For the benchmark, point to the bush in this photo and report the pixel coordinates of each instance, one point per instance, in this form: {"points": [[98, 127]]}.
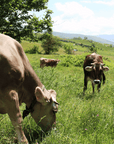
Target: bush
{"points": [[93, 48], [68, 48], [34, 50], [78, 60], [68, 60], [108, 62]]}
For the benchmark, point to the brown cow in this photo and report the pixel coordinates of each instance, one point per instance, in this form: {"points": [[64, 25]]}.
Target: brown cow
{"points": [[94, 70], [48, 62], [19, 84]]}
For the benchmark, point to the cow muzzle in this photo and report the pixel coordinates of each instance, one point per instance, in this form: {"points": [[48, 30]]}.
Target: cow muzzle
{"points": [[97, 81]]}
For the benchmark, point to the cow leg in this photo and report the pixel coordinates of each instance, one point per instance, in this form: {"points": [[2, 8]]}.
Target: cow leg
{"points": [[98, 87], [93, 86], [104, 78], [12, 107], [85, 85]]}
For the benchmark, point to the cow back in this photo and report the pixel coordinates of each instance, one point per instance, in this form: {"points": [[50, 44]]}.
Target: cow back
{"points": [[12, 61]]}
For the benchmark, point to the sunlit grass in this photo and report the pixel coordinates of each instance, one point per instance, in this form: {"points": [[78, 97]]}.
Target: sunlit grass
{"points": [[81, 119]]}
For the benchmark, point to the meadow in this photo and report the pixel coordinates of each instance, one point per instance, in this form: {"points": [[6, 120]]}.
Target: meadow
{"points": [[81, 119]]}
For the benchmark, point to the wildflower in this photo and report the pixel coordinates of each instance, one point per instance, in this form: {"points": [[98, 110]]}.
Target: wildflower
{"points": [[85, 129], [97, 115]]}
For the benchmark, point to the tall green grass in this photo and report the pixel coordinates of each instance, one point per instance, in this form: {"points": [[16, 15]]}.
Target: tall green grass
{"points": [[87, 119]]}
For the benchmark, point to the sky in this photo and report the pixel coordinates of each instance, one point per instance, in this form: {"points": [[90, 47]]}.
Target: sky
{"points": [[88, 17]]}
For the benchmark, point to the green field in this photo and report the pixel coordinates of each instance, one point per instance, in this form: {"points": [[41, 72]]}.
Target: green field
{"points": [[87, 119]]}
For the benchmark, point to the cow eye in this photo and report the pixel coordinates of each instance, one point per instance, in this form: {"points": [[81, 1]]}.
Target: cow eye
{"points": [[47, 101]]}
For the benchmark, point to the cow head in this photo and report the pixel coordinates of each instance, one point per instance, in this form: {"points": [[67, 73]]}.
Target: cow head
{"points": [[97, 71], [46, 108], [58, 61]]}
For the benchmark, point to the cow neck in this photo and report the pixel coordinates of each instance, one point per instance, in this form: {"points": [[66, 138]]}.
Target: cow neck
{"points": [[30, 83], [31, 108], [33, 101]]}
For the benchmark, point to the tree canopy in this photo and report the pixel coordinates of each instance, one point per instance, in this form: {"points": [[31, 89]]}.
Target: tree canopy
{"points": [[17, 22], [50, 43]]}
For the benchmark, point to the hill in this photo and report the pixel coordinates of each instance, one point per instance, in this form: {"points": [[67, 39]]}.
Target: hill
{"points": [[71, 36], [107, 37]]}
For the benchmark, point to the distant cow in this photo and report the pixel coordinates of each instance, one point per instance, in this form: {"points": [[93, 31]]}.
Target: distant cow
{"points": [[94, 70], [48, 62], [19, 84]]}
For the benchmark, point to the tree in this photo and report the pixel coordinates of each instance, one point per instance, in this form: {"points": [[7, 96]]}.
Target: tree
{"points": [[79, 38], [16, 20], [68, 48], [50, 43], [93, 48], [85, 38]]}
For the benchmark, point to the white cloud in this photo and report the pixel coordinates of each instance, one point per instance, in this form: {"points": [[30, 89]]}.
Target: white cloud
{"points": [[73, 8], [86, 1], [110, 3], [76, 18]]}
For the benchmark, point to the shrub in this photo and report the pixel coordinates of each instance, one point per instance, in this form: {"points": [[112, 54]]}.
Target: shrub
{"points": [[68, 48], [93, 48], [85, 38], [78, 60], [68, 60], [108, 62], [34, 50]]}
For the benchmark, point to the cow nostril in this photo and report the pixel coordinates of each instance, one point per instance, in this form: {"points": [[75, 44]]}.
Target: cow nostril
{"points": [[97, 81], [55, 111]]}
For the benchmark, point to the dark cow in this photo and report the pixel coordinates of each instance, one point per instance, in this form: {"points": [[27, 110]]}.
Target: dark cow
{"points": [[19, 84], [48, 62], [94, 70]]}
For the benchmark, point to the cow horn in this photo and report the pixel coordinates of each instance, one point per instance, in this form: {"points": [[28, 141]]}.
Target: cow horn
{"points": [[54, 100]]}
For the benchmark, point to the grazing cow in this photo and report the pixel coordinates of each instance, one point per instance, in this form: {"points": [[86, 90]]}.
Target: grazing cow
{"points": [[94, 70], [19, 84], [48, 62]]}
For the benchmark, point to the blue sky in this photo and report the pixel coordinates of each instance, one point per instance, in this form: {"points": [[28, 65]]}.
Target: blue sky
{"points": [[89, 17]]}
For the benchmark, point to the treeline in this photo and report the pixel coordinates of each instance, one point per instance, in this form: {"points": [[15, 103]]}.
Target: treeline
{"points": [[68, 48], [81, 44]]}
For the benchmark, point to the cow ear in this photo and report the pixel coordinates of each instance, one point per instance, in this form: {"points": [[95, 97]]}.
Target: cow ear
{"points": [[40, 97], [100, 57], [88, 68], [105, 68]]}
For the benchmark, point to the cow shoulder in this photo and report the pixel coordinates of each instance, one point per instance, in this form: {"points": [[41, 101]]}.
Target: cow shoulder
{"points": [[11, 58]]}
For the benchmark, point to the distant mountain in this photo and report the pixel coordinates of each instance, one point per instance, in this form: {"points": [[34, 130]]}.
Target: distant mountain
{"points": [[99, 38], [107, 37]]}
